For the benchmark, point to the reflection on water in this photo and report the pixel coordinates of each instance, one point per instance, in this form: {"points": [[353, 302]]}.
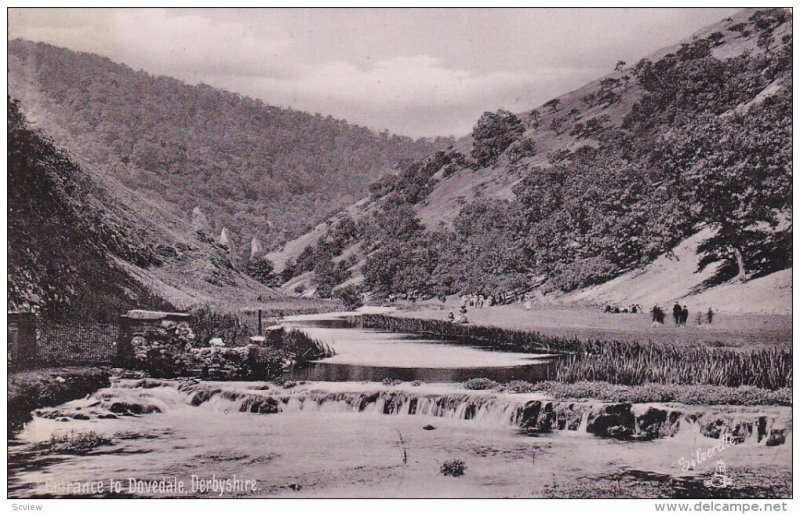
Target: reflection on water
{"points": [[326, 372], [367, 354]]}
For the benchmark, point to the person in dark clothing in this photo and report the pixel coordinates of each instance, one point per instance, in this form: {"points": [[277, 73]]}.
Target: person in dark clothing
{"points": [[684, 315], [709, 316], [677, 312], [658, 315]]}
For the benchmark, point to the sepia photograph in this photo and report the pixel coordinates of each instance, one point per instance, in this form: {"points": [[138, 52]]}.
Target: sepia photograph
{"points": [[400, 253]]}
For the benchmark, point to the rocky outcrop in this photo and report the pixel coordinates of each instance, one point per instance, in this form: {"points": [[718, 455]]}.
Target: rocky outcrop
{"points": [[615, 421]]}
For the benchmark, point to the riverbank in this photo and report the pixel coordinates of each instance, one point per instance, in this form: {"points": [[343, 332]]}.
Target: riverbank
{"points": [[727, 330], [32, 389], [617, 361]]}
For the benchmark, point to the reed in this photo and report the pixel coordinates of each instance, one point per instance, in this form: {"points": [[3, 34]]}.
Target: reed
{"points": [[614, 361]]}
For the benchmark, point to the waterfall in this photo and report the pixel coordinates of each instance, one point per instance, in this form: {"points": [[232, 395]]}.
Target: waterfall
{"points": [[516, 411]]}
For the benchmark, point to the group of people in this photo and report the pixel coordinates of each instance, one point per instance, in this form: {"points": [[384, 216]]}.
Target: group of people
{"points": [[681, 315], [633, 309]]}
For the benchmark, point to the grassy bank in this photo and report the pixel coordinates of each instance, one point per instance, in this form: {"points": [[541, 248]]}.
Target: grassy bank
{"points": [[728, 329], [29, 390], [614, 361], [658, 393]]}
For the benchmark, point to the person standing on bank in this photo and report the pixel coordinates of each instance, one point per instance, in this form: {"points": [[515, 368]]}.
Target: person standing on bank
{"points": [[677, 312], [684, 316]]}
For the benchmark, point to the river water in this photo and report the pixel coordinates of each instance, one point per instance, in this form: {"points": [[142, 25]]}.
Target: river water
{"points": [[345, 434]]}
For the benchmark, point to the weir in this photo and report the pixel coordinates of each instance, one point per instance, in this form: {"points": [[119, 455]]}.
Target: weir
{"points": [[526, 412]]}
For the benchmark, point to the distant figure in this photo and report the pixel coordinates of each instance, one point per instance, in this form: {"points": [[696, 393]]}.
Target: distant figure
{"points": [[709, 316], [491, 300], [677, 312], [451, 316], [684, 315], [658, 315], [462, 318], [608, 308], [528, 304], [463, 309], [480, 301], [616, 310]]}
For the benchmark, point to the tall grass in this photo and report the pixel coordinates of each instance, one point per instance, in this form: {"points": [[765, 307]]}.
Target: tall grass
{"points": [[304, 348], [498, 338], [236, 326], [633, 363], [616, 362]]}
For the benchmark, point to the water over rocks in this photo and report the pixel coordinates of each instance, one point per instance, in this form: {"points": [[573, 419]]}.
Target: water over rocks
{"points": [[622, 421]]}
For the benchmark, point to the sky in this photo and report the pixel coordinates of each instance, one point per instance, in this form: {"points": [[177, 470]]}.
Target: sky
{"points": [[416, 72]]}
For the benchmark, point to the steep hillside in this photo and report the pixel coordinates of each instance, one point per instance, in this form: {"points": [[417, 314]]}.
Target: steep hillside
{"points": [[674, 277], [81, 244], [594, 184], [254, 169]]}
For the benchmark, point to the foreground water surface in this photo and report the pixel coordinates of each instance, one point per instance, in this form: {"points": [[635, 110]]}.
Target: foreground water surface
{"points": [[341, 436]]}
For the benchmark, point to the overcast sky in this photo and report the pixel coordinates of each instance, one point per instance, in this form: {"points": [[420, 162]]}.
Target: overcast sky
{"points": [[419, 72]]}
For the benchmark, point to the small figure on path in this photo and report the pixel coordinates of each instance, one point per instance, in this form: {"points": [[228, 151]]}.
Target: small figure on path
{"points": [[684, 315], [451, 316], [658, 315], [677, 312], [709, 316]]}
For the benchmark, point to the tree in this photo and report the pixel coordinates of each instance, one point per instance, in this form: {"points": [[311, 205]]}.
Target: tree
{"points": [[739, 171], [493, 133], [765, 41], [716, 38], [553, 104], [350, 297], [262, 270], [556, 125], [534, 119], [620, 65]]}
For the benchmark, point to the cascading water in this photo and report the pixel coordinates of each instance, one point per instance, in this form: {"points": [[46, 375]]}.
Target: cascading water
{"points": [[526, 411]]}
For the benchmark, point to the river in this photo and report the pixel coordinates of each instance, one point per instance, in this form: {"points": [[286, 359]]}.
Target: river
{"points": [[344, 433]]}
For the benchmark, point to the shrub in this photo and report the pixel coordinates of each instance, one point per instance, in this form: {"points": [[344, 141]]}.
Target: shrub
{"points": [[74, 442], [453, 468], [350, 297], [480, 384]]}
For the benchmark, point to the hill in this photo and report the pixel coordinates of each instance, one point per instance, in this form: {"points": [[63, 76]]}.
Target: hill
{"points": [[257, 170], [592, 185], [80, 244]]}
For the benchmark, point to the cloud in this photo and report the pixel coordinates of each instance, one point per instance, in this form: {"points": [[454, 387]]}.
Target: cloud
{"points": [[420, 72], [416, 94]]}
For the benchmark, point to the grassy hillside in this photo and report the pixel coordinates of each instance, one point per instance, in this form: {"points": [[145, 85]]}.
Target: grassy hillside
{"points": [[81, 244], [593, 184], [254, 169]]}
